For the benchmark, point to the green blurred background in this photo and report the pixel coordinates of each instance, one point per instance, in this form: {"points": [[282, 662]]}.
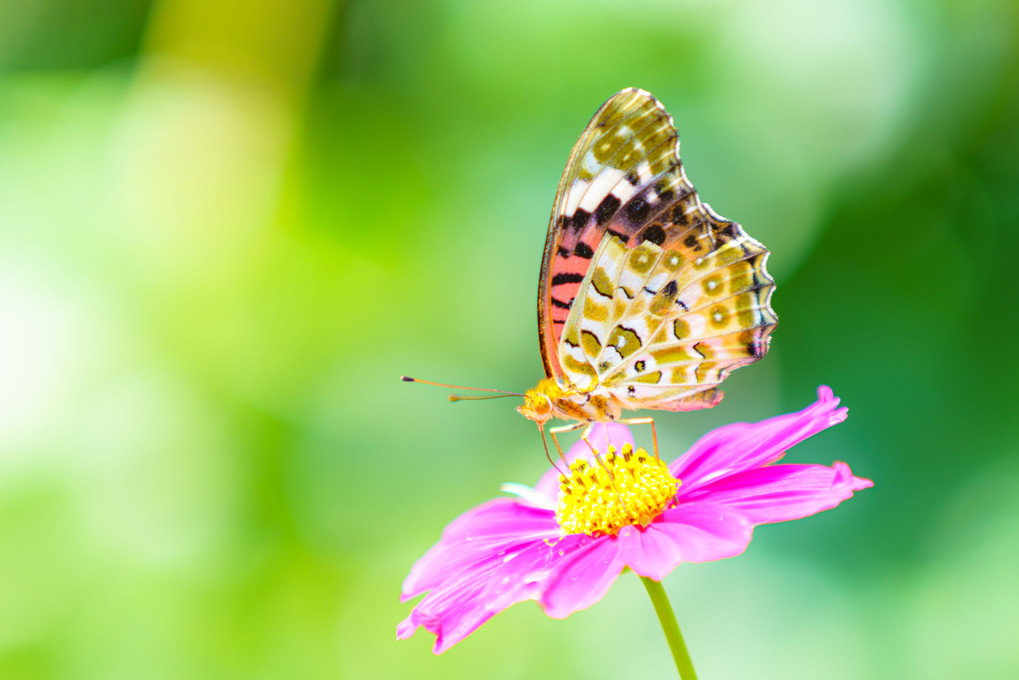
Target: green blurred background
{"points": [[227, 228]]}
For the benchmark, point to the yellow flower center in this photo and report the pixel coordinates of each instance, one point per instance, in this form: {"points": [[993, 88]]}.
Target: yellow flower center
{"points": [[631, 488]]}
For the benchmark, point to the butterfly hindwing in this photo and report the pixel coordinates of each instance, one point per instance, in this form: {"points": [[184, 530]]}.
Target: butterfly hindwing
{"points": [[660, 328], [710, 319]]}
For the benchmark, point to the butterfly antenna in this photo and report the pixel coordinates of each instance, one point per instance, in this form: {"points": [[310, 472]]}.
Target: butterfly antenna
{"points": [[461, 398], [503, 393]]}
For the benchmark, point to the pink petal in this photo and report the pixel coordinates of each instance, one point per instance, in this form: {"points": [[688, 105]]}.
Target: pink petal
{"points": [[741, 446], [501, 516], [448, 613], [781, 492], [617, 435], [496, 576], [649, 552], [476, 533], [696, 532], [583, 576]]}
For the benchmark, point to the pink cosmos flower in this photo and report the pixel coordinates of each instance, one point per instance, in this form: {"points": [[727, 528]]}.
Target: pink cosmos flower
{"points": [[564, 542]]}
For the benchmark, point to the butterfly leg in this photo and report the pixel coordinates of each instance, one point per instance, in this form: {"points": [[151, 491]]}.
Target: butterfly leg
{"points": [[584, 438], [544, 443], [576, 426], [560, 430], [644, 421], [597, 457]]}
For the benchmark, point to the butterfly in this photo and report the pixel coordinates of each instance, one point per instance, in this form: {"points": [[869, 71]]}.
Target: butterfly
{"points": [[647, 299]]}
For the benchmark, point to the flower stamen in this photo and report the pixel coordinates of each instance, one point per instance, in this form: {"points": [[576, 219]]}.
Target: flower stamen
{"points": [[622, 489]]}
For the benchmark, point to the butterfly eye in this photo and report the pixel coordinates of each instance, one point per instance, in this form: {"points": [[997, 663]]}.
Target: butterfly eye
{"points": [[539, 403], [546, 405], [537, 406]]}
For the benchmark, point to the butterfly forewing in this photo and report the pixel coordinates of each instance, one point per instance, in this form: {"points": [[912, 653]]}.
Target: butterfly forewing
{"points": [[624, 178], [630, 138]]}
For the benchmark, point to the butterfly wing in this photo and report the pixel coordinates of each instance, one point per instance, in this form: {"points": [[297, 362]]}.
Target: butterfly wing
{"points": [[661, 327], [645, 290], [624, 178], [628, 136]]}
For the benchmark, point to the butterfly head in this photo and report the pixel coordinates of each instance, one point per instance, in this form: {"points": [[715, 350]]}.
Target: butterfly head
{"points": [[538, 402]]}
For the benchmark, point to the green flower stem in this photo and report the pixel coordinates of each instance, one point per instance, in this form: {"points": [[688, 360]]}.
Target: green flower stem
{"points": [[671, 629]]}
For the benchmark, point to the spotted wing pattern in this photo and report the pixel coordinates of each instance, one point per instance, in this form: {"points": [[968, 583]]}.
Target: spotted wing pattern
{"points": [[624, 179], [661, 327], [605, 152]]}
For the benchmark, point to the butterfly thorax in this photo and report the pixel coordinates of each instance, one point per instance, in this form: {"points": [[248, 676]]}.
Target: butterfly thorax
{"points": [[548, 399]]}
